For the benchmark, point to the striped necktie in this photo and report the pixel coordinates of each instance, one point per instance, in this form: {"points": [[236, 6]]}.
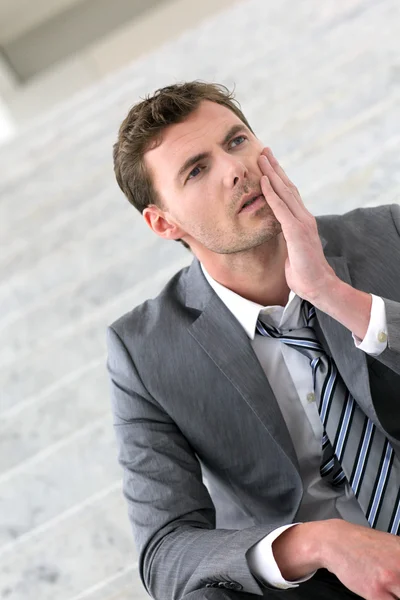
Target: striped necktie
{"points": [[353, 448]]}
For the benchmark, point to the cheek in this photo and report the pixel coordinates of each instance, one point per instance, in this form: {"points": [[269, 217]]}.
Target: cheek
{"points": [[208, 202], [256, 150]]}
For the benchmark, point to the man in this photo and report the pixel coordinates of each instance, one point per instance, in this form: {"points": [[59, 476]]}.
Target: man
{"points": [[270, 367]]}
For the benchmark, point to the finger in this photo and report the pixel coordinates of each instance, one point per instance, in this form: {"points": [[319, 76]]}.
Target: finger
{"points": [[279, 207], [281, 189], [279, 170], [276, 166], [395, 591]]}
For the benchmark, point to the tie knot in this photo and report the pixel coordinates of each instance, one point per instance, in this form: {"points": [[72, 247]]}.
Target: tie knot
{"points": [[303, 339], [307, 313], [275, 332]]}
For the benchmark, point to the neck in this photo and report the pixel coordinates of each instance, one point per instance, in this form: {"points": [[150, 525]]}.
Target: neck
{"points": [[257, 275]]}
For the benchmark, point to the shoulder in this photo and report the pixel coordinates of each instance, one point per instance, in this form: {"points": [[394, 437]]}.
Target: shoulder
{"points": [[144, 320], [365, 225]]}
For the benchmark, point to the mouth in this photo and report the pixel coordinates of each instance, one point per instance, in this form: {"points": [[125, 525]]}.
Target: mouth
{"points": [[253, 203]]}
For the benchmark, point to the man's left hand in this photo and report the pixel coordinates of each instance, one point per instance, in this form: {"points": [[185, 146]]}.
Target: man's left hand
{"points": [[307, 272]]}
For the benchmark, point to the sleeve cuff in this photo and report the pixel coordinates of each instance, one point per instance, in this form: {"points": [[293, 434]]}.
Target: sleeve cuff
{"points": [[375, 340], [263, 565]]}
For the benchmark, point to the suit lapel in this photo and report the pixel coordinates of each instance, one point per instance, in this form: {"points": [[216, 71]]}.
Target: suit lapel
{"points": [[224, 340]]}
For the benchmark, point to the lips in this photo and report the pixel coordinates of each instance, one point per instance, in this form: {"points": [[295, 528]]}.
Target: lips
{"points": [[247, 200]]}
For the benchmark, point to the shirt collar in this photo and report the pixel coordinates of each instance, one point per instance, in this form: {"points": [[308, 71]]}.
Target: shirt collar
{"points": [[245, 311]]}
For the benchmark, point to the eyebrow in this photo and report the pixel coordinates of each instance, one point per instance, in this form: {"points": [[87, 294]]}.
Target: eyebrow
{"points": [[203, 155]]}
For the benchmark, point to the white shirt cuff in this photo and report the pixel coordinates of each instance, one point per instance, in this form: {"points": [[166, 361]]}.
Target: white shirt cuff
{"points": [[263, 565], [375, 340]]}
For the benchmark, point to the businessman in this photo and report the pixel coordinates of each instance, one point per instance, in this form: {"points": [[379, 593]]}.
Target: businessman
{"points": [[256, 400]]}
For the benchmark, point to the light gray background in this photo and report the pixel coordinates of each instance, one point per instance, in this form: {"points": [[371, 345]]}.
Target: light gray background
{"points": [[320, 83]]}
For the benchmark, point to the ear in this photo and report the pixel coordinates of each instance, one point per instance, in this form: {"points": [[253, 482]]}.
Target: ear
{"points": [[162, 224]]}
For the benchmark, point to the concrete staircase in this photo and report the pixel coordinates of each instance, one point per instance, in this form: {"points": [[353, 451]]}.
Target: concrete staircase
{"points": [[320, 83]]}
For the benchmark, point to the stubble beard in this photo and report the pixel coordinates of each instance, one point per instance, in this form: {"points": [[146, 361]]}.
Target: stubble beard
{"points": [[250, 240], [220, 243]]}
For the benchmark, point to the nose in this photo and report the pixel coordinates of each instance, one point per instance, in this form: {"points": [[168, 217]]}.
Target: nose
{"points": [[235, 172]]}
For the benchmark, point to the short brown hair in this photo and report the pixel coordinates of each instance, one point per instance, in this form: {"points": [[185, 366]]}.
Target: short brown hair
{"points": [[143, 126]]}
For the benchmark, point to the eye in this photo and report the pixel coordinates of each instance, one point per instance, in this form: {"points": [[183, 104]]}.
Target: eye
{"points": [[193, 171], [238, 138]]}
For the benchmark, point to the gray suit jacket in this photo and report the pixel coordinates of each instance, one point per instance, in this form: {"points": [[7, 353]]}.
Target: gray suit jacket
{"points": [[191, 401]]}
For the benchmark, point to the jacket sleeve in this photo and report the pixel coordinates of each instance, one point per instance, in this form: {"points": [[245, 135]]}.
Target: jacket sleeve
{"points": [[170, 510], [391, 356]]}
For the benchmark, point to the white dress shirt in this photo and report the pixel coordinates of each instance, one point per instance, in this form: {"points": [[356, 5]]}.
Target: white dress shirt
{"points": [[290, 377]]}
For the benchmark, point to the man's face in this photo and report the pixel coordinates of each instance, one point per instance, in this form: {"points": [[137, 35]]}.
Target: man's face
{"points": [[202, 204]]}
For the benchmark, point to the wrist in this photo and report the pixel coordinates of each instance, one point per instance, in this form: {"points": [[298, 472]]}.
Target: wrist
{"points": [[333, 532], [298, 551], [328, 294], [321, 296], [347, 305]]}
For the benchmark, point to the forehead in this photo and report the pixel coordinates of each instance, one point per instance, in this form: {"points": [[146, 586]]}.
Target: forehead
{"points": [[197, 133]]}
